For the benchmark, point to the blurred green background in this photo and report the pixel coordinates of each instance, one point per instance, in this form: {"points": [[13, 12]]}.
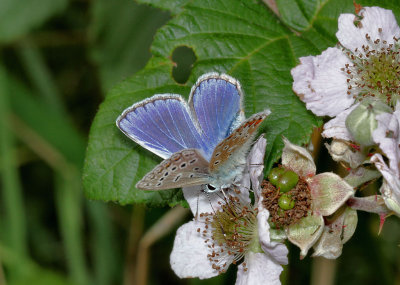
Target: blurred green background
{"points": [[58, 60]]}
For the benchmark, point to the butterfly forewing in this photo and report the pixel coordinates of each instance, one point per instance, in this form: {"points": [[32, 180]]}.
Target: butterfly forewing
{"points": [[238, 143], [162, 124], [184, 168], [216, 102]]}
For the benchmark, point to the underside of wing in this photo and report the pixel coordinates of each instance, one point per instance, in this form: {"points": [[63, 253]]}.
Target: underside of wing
{"points": [[216, 100], [184, 168], [162, 124], [234, 148]]}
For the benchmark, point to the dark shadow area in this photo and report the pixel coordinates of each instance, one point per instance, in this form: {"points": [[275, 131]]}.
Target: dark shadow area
{"points": [[184, 59]]}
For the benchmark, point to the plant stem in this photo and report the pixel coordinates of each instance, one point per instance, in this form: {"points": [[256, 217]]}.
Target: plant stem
{"points": [[323, 271], [135, 232], [15, 222], [69, 207], [104, 249], [158, 230], [2, 277]]}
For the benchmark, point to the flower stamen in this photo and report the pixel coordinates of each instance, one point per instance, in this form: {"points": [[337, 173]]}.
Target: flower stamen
{"points": [[375, 71], [231, 231]]}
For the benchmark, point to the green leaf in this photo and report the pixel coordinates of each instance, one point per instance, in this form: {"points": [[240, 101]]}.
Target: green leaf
{"points": [[239, 38], [174, 6], [19, 17], [297, 14]]}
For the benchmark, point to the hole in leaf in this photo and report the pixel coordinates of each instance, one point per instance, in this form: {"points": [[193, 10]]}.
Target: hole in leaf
{"points": [[184, 59]]}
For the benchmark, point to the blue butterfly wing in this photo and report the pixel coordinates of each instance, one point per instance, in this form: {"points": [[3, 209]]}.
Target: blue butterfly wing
{"points": [[216, 102], [162, 124]]}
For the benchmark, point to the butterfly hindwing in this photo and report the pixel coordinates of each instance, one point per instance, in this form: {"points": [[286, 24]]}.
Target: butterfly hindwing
{"points": [[184, 168], [216, 102], [236, 146], [162, 124]]}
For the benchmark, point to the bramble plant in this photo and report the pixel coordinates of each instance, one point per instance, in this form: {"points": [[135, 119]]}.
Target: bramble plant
{"points": [[237, 142], [276, 195]]}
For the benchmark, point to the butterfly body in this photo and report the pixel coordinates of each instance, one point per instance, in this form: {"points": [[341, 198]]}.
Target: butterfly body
{"points": [[204, 142]]}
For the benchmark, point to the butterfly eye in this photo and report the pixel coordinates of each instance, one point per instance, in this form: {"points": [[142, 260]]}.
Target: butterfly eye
{"points": [[210, 187]]}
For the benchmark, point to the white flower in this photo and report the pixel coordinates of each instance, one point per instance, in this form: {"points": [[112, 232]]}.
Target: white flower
{"points": [[387, 136], [365, 64], [229, 231]]}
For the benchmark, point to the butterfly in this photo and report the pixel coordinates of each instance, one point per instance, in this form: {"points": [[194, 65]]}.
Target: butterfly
{"points": [[202, 142]]}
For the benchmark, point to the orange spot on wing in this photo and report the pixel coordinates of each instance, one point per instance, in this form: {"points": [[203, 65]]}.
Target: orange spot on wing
{"points": [[357, 7]]}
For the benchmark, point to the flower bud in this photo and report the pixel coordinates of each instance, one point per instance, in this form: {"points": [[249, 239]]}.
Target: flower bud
{"points": [[361, 121], [343, 151]]}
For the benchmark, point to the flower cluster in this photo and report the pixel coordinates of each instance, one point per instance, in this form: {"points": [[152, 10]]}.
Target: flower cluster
{"points": [[358, 84], [231, 227]]}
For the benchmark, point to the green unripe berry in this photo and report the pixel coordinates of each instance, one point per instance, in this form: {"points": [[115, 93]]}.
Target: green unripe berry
{"points": [[285, 202], [275, 174], [287, 181]]}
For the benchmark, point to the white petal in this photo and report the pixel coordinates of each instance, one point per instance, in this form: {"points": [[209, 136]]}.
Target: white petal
{"points": [[352, 37], [277, 251], [255, 164], [387, 136], [189, 254], [260, 271], [320, 83], [336, 128], [391, 187]]}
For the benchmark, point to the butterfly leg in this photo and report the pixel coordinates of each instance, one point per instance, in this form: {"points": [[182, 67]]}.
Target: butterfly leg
{"points": [[197, 204]]}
